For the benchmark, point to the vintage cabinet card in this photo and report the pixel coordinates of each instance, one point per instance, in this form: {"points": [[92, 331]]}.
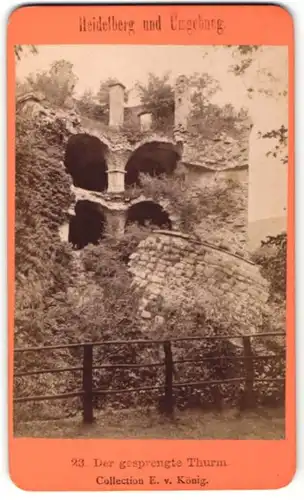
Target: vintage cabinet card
{"points": [[151, 247]]}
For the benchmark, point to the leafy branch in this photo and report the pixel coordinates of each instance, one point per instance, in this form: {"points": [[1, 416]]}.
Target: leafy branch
{"points": [[20, 49], [281, 134]]}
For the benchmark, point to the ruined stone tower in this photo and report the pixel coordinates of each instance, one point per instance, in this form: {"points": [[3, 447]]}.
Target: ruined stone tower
{"points": [[182, 102], [106, 164]]}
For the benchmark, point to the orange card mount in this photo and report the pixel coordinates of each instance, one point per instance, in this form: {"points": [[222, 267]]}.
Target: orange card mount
{"points": [[151, 280]]}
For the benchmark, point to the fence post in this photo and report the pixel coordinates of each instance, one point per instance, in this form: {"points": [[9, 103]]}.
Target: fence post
{"points": [[87, 384], [169, 403], [249, 397]]}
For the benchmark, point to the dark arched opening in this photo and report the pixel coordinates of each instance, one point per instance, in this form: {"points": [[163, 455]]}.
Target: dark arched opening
{"points": [[85, 161], [148, 213], [153, 158], [87, 225]]}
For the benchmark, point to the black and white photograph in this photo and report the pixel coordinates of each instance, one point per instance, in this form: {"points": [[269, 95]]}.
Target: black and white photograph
{"points": [[150, 241]]}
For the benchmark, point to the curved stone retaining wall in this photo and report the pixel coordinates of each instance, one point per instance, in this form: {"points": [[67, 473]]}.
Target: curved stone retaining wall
{"points": [[177, 267]]}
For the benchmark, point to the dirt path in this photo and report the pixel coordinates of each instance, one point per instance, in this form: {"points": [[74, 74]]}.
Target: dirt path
{"points": [[262, 424]]}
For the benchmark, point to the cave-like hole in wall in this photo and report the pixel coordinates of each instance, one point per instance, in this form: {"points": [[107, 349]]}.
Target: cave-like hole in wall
{"points": [[153, 158], [85, 161], [148, 213], [87, 225]]}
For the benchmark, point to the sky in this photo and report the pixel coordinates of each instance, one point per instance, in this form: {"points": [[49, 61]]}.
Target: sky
{"points": [[132, 63]]}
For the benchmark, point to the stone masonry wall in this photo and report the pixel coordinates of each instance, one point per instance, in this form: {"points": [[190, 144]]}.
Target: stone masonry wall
{"points": [[170, 264], [225, 224], [217, 153]]}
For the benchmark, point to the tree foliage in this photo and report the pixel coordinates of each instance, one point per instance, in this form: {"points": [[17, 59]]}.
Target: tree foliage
{"points": [[272, 257], [57, 84], [157, 97], [278, 151], [21, 50], [267, 84], [202, 88], [87, 105], [205, 118], [245, 54], [250, 58]]}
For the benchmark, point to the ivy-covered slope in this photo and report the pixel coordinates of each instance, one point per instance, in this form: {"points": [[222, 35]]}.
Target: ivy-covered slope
{"points": [[42, 199]]}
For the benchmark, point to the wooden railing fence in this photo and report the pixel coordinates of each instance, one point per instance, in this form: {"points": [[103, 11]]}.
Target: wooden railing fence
{"points": [[87, 392]]}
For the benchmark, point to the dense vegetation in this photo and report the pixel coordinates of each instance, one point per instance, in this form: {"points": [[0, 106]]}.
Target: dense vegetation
{"points": [[65, 296], [42, 197], [220, 199], [272, 257]]}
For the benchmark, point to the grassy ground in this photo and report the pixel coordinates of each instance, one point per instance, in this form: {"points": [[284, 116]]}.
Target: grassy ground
{"points": [[261, 424]]}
